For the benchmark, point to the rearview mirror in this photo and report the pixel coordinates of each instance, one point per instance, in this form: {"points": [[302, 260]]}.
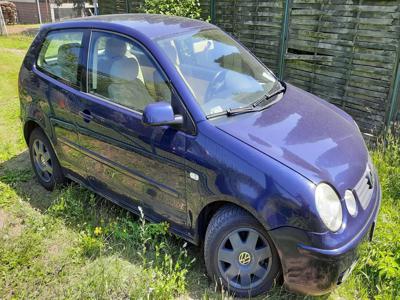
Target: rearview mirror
{"points": [[159, 114]]}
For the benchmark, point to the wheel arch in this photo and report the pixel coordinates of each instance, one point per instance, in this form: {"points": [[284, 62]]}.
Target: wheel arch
{"points": [[29, 126], [211, 208]]}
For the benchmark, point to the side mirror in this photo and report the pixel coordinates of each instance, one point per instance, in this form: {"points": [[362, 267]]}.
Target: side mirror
{"points": [[159, 114]]}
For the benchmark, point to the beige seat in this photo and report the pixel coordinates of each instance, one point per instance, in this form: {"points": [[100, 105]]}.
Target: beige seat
{"points": [[125, 88], [115, 50], [67, 62]]}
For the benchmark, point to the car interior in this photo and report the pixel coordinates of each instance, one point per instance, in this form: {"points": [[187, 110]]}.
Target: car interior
{"points": [[59, 55], [121, 71]]}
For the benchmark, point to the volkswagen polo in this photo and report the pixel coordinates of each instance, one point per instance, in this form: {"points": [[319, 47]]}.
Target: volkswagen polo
{"points": [[175, 116]]}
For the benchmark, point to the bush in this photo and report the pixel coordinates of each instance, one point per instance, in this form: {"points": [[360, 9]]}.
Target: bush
{"points": [[9, 12], [183, 8]]}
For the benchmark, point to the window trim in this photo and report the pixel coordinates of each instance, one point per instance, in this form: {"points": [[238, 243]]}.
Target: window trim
{"points": [[157, 65], [81, 58]]}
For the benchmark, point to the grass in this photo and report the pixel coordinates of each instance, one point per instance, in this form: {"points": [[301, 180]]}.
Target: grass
{"points": [[20, 42], [10, 63], [71, 243]]}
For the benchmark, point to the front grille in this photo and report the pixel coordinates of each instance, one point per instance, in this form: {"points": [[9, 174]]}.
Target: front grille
{"points": [[364, 188]]}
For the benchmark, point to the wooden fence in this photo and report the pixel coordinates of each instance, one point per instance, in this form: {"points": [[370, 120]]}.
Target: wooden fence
{"points": [[345, 51]]}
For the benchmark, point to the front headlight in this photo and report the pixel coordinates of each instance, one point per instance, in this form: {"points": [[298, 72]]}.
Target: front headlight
{"points": [[351, 203], [328, 206]]}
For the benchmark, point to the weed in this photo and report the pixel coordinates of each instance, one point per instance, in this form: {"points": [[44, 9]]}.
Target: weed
{"points": [[13, 177]]}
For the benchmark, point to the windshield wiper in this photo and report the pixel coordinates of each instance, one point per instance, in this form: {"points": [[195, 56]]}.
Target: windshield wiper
{"points": [[240, 110], [268, 96], [253, 106], [249, 108]]}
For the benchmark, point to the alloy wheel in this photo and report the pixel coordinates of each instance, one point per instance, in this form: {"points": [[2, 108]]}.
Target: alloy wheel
{"points": [[244, 258], [42, 160]]}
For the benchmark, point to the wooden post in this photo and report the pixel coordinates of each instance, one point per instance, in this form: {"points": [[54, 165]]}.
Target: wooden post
{"points": [[39, 13], [3, 27], [126, 6], [395, 94], [284, 37], [212, 11], [96, 5]]}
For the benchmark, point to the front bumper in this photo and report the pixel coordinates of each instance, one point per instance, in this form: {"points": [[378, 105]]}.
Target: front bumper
{"points": [[315, 271]]}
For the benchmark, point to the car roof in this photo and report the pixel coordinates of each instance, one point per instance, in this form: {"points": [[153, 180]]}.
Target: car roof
{"points": [[151, 25]]}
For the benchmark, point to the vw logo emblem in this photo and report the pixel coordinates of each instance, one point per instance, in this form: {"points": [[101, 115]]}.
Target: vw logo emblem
{"points": [[244, 258]]}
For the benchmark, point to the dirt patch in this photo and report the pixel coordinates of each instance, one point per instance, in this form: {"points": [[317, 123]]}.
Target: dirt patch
{"points": [[15, 229], [38, 197], [17, 163], [30, 29], [58, 244], [12, 226], [12, 50], [3, 219]]}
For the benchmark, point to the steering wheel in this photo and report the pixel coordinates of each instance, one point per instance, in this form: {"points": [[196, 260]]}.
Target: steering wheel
{"points": [[215, 85]]}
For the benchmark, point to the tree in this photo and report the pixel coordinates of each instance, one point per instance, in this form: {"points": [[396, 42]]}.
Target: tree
{"points": [[184, 8]]}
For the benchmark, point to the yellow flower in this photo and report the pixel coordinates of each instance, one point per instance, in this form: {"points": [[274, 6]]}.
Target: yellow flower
{"points": [[97, 231]]}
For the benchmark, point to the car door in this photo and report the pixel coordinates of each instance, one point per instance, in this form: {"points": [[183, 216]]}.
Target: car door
{"points": [[127, 161], [56, 76]]}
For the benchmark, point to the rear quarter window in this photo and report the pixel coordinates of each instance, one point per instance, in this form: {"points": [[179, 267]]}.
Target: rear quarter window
{"points": [[59, 55]]}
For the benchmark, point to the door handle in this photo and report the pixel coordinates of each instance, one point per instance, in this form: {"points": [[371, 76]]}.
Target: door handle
{"points": [[86, 115]]}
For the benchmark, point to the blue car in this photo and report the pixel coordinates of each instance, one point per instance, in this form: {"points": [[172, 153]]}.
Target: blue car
{"points": [[175, 116]]}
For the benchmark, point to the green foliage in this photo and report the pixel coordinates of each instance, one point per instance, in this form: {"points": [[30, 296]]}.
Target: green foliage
{"points": [[183, 8], [378, 271], [16, 176], [90, 246]]}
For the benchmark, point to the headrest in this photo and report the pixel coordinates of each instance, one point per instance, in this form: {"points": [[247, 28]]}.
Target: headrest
{"points": [[125, 69], [68, 54], [115, 47]]}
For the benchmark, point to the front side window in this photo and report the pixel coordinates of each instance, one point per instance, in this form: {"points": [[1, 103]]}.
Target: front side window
{"points": [[221, 74], [121, 71], [59, 55]]}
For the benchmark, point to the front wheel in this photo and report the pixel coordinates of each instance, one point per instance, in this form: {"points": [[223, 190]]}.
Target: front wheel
{"points": [[44, 161], [239, 254]]}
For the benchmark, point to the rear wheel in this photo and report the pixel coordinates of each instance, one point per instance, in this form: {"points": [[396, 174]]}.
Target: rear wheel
{"points": [[44, 161], [239, 253]]}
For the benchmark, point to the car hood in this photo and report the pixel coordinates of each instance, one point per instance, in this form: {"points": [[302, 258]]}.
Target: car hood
{"points": [[307, 134]]}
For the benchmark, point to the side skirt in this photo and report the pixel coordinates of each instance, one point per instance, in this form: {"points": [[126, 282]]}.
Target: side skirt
{"points": [[134, 210]]}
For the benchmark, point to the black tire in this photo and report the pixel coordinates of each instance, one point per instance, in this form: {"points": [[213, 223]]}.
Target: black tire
{"points": [[43, 160], [230, 223]]}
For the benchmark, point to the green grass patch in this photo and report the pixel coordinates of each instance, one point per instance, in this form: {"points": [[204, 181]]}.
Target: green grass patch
{"points": [[83, 246], [20, 42], [10, 127]]}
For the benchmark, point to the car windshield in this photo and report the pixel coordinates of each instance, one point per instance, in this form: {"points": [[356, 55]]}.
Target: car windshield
{"points": [[221, 74]]}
